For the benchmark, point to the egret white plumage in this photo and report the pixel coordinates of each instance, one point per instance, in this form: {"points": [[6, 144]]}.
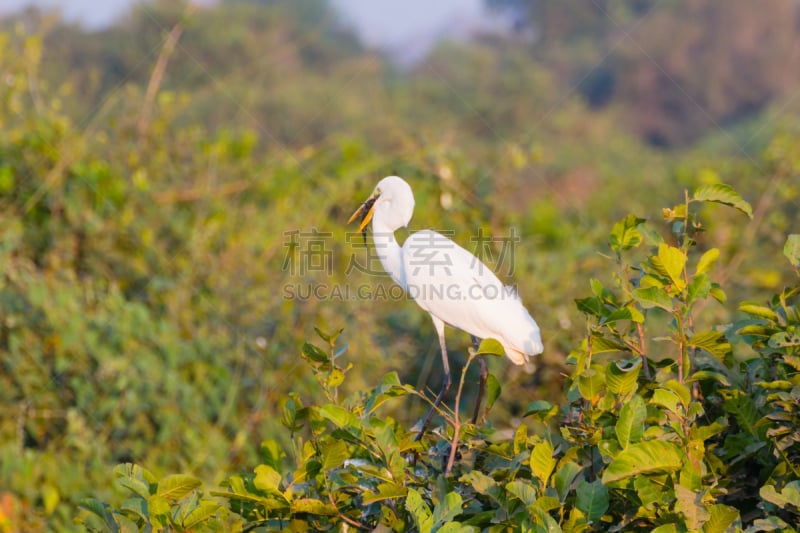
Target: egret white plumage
{"points": [[447, 281]]}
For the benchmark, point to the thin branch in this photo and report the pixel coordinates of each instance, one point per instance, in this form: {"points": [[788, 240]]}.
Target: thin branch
{"points": [[156, 77]]}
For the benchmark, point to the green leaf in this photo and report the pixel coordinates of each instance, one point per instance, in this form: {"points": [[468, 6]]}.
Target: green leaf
{"points": [[690, 504], [630, 426], [420, 511], [590, 383], [313, 506], [721, 518], [386, 491], [667, 399], [340, 417], [722, 193], [590, 306], [565, 475], [759, 311], [522, 490], [201, 514], [622, 376], [267, 478], [625, 235], [592, 499], [542, 461], [542, 409], [479, 481], [653, 297], [792, 250], [493, 390], [491, 347], [447, 509], [706, 260], [670, 262], [643, 458], [177, 486], [314, 353], [742, 407], [699, 288], [713, 342], [334, 454]]}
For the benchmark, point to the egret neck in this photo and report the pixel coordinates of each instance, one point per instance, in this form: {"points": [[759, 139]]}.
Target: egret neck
{"points": [[388, 251]]}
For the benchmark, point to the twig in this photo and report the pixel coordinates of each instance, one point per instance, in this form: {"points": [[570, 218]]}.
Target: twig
{"points": [[156, 78]]}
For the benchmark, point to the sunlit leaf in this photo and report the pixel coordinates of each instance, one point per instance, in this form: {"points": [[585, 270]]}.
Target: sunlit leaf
{"points": [[643, 458], [630, 426], [723, 194]]}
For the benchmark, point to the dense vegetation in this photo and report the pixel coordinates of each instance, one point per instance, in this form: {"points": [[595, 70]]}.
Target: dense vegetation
{"points": [[173, 187]]}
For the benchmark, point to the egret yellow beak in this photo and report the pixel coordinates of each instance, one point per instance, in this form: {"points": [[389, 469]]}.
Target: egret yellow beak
{"points": [[366, 210]]}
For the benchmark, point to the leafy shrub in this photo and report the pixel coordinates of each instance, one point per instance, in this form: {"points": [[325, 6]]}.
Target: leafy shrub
{"points": [[670, 423]]}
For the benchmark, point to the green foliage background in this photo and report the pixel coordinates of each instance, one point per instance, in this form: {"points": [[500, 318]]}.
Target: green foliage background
{"points": [[147, 215]]}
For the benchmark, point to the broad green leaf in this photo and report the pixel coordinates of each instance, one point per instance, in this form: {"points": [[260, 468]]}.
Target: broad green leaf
{"points": [[565, 475], [670, 262], [621, 376], [542, 521], [522, 490], [136, 506], [653, 297], [267, 478], [592, 499], [340, 417], [420, 511], [699, 288], [177, 486], [667, 399], [447, 509], [643, 458], [706, 260], [649, 493], [713, 342], [625, 234], [542, 409], [590, 306], [491, 347], [334, 453], [601, 344], [313, 506], [542, 461], [758, 310], [158, 505], [479, 481], [690, 504], [590, 383], [386, 491], [493, 390], [723, 194], [314, 353], [784, 339], [792, 250], [630, 426], [742, 407], [96, 507], [772, 523], [201, 514], [721, 518], [680, 390]]}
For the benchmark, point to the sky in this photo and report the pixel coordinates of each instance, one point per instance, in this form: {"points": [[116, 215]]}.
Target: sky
{"points": [[404, 27]]}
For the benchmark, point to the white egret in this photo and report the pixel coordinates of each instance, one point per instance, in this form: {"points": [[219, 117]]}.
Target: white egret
{"points": [[447, 281]]}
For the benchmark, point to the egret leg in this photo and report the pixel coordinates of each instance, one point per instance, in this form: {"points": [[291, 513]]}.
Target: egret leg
{"points": [[482, 383], [439, 325]]}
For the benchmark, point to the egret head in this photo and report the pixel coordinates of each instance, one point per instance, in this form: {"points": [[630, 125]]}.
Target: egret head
{"points": [[391, 204]]}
